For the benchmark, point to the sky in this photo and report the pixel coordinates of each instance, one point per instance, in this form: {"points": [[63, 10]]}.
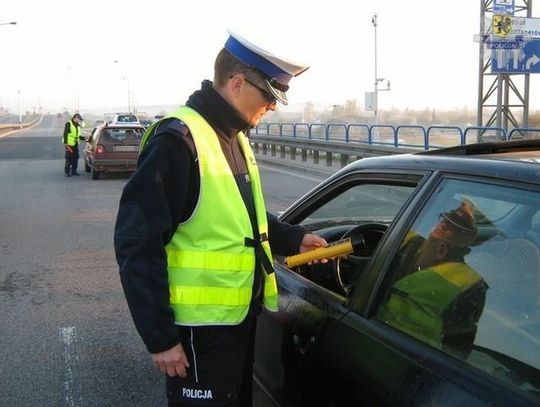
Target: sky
{"points": [[61, 53]]}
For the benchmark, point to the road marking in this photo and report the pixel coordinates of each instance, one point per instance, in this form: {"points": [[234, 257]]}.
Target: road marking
{"points": [[291, 173], [67, 337]]}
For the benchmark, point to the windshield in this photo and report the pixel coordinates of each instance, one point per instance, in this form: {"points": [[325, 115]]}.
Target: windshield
{"points": [[122, 135]]}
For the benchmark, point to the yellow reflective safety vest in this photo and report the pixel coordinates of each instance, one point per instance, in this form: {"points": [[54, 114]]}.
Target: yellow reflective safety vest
{"points": [[211, 266], [73, 135], [417, 302]]}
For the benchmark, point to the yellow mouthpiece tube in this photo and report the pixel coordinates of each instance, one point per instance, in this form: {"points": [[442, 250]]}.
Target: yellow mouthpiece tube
{"points": [[340, 248]]}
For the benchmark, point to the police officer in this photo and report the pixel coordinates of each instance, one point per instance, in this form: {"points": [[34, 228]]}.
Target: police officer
{"points": [[193, 239], [71, 137]]}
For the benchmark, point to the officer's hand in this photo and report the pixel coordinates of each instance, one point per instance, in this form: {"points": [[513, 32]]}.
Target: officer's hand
{"points": [[172, 362], [312, 242]]}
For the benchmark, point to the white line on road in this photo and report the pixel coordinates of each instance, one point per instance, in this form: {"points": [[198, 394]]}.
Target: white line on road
{"points": [[291, 173], [67, 337]]}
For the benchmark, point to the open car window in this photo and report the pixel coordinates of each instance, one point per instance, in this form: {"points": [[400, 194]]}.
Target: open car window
{"points": [[359, 204], [360, 211]]}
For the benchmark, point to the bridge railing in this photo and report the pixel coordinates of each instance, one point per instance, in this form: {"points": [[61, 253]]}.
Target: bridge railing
{"points": [[412, 136], [523, 133]]}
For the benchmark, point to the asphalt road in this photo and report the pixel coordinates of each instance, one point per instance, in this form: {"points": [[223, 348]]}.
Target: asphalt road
{"points": [[66, 336]]}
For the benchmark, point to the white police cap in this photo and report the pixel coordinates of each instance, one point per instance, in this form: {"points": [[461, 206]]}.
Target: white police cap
{"points": [[276, 72]]}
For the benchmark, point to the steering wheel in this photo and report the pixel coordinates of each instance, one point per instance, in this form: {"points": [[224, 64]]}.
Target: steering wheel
{"points": [[347, 269]]}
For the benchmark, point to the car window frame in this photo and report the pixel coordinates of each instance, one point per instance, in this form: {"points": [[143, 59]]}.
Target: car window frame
{"points": [[333, 187]]}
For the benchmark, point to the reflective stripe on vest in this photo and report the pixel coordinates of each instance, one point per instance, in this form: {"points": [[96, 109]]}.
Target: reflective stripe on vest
{"points": [[417, 302], [73, 135], [211, 270]]}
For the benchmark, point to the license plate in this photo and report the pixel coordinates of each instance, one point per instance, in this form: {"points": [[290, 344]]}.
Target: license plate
{"points": [[125, 148]]}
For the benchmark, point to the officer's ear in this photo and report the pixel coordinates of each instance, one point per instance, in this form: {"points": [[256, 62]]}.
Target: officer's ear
{"points": [[236, 84]]}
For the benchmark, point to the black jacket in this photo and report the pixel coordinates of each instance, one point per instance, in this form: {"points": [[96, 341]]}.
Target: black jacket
{"points": [[162, 193]]}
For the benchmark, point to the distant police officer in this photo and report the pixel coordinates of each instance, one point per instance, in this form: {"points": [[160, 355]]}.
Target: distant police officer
{"points": [[193, 239], [71, 137]]}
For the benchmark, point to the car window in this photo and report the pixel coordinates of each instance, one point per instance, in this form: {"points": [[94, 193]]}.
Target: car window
{"points": [[126, 119], [121, 135], [467, 279], [361, 212]]}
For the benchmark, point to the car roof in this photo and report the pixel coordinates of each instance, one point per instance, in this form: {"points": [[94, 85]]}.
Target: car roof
{"points": [[515, 160]]}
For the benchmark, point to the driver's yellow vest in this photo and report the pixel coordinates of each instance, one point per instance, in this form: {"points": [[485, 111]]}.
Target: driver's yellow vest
{"points": [[73, 135], [210, 266]]}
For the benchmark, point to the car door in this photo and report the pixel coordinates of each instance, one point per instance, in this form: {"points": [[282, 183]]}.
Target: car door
{"points": [[312, 299], [485, 351], [89, 148]]}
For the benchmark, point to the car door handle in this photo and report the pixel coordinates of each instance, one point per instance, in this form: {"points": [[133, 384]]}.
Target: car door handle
{"points": [[302, 343]]}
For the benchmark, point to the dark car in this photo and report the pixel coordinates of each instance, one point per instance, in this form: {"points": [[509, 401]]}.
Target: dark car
{"points": [[112, 149], [440, 302], [146, 123]]}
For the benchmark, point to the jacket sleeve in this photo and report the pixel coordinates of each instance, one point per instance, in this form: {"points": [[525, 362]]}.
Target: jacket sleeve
{"points": [[284, 238], [460, 319], [151, 206], [66, 132]]}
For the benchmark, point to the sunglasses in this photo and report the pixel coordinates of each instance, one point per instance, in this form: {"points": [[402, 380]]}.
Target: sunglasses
{"points": [[267, 95]]}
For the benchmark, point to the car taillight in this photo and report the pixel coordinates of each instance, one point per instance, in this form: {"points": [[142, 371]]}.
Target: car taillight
{"points": [[100, 149]]}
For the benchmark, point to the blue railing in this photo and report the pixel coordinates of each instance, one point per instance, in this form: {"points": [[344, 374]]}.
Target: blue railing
{"points": [[397, 136]]}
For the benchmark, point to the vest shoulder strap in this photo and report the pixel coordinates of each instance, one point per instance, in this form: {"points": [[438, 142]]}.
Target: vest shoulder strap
{"points": [[172, 124], [169, 124]]}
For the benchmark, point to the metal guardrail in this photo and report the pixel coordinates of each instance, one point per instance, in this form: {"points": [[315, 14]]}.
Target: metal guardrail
{"points": [[413, 136], [341, 141], [292, 146]]}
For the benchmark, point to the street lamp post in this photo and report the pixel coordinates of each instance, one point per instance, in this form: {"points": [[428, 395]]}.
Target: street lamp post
{"points": [[376, 89], [126, 78], [128, 93], [375, 96], [19, 105]]}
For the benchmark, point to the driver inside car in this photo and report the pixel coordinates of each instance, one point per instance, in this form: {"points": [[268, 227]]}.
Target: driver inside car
{"points": [[439, 299]]}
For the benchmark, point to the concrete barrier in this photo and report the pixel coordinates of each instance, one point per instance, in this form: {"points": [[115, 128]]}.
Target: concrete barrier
{"points": [[10, 128]]}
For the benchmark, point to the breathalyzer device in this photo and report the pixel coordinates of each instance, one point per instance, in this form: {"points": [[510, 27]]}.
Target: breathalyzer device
{"points": [[339, 248]]}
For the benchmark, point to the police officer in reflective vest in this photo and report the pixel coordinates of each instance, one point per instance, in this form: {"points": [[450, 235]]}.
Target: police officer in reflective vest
{"points": [[441, 301], [71, 137], [193, 239]]}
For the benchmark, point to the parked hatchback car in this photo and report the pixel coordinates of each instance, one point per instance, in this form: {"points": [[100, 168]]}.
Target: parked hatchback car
{"points": [[440, 302], [112, 149]]}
